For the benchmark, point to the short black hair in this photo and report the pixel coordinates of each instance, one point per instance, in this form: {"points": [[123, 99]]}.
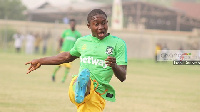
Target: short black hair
{"points": [[72, 20], [95, 12]]}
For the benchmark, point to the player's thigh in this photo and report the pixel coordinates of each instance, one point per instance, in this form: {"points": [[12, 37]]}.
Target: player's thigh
{"points": [[92, 103]]}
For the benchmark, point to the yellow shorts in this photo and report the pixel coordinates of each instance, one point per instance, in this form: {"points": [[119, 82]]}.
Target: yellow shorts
{"points": [[93, 102], [67, 65]]}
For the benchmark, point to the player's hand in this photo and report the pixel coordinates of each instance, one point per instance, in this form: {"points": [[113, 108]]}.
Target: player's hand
{"points": [[111, 61], [34, 65]]}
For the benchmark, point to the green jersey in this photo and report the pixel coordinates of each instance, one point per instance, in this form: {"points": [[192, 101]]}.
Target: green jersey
{"points": [[93, 52], [70, 38]]}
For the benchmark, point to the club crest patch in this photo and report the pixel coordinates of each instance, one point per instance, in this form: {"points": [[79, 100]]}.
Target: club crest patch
{"points": [[109, 50], [84, 46]]}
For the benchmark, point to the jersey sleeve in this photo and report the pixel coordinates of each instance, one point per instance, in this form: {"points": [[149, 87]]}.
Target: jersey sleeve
{"points": [[75, 51], [63, 34], [121, 53]]}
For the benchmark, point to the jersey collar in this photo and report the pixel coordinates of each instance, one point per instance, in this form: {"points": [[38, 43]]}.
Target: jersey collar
{"points": [[95, 39]]}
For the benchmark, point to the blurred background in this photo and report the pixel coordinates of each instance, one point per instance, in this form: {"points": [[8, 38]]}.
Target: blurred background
{"points": [[145, 25]]}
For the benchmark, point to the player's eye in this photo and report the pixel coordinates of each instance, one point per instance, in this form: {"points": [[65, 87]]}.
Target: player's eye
{"points": [[96, 24]]}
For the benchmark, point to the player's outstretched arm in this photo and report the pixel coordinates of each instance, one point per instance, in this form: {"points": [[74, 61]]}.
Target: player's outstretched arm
{"points": [[64, 57], [119, 70]]}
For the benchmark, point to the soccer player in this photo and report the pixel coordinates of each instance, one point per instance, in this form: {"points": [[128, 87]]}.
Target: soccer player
{"points": [[69, 37], [101, 55]]}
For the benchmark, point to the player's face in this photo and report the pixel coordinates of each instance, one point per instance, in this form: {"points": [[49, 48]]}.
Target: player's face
{"points": [[98, 26], [72, 25]]}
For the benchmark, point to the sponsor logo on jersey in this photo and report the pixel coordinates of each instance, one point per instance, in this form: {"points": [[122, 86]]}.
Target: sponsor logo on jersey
{"points": [[109, 50], [93, 61], [70, 38]]}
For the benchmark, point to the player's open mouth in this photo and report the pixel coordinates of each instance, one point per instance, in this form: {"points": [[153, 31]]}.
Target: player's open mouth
{"points": [[101, 34]]}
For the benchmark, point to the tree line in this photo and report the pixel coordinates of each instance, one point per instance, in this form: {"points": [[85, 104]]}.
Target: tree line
{"points": [[15, 9], [12, 9]]}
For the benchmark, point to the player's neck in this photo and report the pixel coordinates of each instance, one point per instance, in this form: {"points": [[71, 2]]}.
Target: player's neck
{"points": [[73, 29]]}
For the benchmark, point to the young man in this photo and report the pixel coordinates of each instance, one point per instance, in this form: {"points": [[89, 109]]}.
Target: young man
{"points": [[101, 55], [69, 38]]}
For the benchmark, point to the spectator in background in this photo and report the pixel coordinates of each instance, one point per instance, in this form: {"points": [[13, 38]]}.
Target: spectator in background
{"points": [[45, 38], [157, 51], [37, 42], [18, 41], [30, 40]]}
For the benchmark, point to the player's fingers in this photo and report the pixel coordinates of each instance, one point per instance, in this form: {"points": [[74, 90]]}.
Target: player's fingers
{"points": [[107, 59], [110, 58], [28, 63], [110, 61], [28, 72], [33, 68], [108, 64], [30, 67], [111, 64]]}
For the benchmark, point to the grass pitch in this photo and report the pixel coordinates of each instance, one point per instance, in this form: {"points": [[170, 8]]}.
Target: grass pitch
{"points": [[149, 87]]}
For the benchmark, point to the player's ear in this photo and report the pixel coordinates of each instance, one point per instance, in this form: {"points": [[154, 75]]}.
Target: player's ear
{"points": [[88, 25]]}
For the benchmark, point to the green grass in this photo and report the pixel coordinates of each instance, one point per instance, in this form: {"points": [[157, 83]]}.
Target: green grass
{"points": [[149, 87]]}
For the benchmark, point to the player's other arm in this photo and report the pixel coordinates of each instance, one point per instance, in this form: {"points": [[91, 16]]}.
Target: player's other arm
{"points": [[119, 70], [64, 57]]}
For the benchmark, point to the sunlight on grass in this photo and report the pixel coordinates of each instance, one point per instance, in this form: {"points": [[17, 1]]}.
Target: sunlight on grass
{"points": [[149, 87]]}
